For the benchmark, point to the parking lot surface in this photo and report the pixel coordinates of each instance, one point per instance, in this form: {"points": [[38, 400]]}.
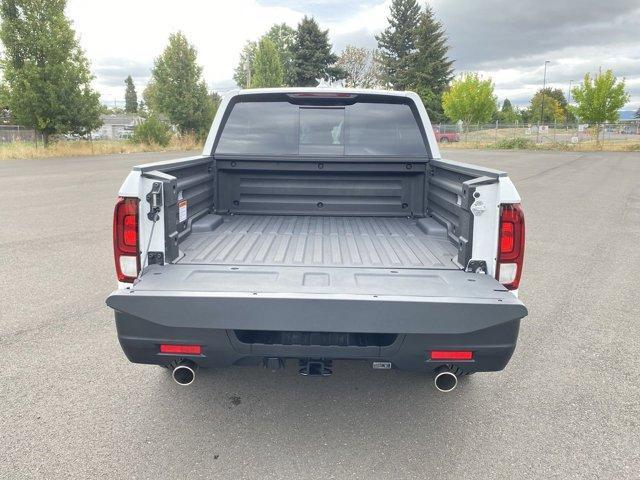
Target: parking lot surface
{"points": [[567, 406]]}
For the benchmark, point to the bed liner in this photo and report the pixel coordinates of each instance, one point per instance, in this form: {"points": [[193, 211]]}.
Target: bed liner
{"points": [[312, 241]]}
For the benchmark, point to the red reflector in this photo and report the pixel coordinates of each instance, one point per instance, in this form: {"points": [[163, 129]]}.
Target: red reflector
{"points": [[451, 355], [183, 349]]}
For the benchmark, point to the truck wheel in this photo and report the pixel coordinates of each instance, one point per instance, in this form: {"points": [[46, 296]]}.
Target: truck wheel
{"points": [[444, 140]]}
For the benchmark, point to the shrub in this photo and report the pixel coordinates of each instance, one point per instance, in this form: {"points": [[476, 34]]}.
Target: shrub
{"points": [[152, 131], [515, 144]]}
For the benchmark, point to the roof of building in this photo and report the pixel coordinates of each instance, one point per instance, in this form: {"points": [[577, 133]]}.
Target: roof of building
{"points": [[122, 119]]}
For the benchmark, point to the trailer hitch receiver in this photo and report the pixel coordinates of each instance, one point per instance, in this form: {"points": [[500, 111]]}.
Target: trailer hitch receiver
{"points": [[315, 368]]}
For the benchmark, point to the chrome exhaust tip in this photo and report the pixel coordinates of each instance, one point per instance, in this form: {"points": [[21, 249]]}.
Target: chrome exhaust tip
{"points": [[184, 373], [445, 381]]}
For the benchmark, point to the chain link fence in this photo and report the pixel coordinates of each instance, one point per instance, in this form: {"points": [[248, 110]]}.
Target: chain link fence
{"points": [[16, 133], [622, 136]]}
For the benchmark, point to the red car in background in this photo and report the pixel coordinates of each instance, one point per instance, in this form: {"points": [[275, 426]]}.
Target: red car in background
{"points": [[446, 137]]}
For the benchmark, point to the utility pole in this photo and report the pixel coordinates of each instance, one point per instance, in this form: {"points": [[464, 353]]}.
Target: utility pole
{"points": [[569, 100], [247, 69], [544, 85]]}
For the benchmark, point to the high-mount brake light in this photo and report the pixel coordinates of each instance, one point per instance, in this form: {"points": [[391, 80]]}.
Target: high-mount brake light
{"points": [[322, 94], [510, 245], [125, 239]]}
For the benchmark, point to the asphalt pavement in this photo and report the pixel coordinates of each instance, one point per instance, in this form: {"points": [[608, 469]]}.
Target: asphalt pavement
{"points": [[567, 406]]}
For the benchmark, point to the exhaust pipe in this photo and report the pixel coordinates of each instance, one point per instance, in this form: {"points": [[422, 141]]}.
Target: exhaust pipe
{"points": [[445, 380], [184, 373]]}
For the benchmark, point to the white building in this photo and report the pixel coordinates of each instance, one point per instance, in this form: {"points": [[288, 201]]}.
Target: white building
{"points": [[117, 127]]}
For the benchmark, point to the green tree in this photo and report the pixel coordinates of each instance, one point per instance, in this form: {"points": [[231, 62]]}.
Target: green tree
{"points": [[130, 96], [267, 68], [600, 98], [152, 131], [283, 36], [637, 115], [177, 90], [397, 43], [470, 99], [47, 80], [311, 55], [361, 67], [551, 112], [507, 113], [242, 72], [558, 111], [430, 69]]}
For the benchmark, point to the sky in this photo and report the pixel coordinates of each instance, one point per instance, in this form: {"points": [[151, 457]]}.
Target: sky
{"points": [[505, 40]]}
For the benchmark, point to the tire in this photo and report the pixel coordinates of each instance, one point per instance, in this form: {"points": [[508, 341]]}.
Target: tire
{"points": [[444, 140]]}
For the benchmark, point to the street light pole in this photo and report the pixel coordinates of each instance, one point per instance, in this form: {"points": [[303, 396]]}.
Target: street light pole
{"points": [[544, 85]]}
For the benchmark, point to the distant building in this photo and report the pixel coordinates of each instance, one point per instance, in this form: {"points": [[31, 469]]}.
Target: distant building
{"points": [[117, 127]]}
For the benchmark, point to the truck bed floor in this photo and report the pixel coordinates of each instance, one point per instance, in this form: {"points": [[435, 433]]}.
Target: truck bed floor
{"points": [[368, 242]]}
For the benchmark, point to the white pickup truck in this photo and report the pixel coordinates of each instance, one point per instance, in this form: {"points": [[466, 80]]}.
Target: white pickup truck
{"points": [[317, 225]]}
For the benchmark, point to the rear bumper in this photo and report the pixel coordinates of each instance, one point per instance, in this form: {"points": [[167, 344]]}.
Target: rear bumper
{"points": [[140, 340], [419, 310]]}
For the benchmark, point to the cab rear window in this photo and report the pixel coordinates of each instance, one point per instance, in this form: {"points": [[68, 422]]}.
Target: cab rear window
{"points": [[284, 128]]}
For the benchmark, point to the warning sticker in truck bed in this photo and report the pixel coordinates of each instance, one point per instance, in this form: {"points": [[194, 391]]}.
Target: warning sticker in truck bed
{"points": [[182, 211]]}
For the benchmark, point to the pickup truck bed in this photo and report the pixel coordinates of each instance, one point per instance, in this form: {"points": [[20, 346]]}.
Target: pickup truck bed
{"points": [[308, 241], [318, 226]]}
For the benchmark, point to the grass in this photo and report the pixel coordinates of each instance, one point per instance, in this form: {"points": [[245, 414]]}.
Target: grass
{"points": [[512, 138], [28, 150], [525, 144]]}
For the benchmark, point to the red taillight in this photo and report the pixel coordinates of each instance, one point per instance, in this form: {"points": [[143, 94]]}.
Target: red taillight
{"points": [[451, 355], [506, 237], [510, 245], [181, 349], [125, 239]]}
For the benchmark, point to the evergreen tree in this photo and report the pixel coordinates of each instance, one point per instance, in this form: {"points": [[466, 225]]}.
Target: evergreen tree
{"points": [[47, 81], [283, 36], [130, 96], [430, 65], [430, 70], [311, 55], [507, 113], [267, 68], [397, 43], [177, 89]]}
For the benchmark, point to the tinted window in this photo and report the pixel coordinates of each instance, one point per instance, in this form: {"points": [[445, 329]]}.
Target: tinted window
{"points": [[282, 128], [261, 128], [321, 131], [382, 129]]}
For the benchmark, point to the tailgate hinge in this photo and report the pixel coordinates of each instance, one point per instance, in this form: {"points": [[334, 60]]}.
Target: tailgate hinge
{"points": [[154, 198]]}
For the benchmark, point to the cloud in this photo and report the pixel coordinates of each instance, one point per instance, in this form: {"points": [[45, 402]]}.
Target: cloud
{"points": [[506, 40], [112, 71]]}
